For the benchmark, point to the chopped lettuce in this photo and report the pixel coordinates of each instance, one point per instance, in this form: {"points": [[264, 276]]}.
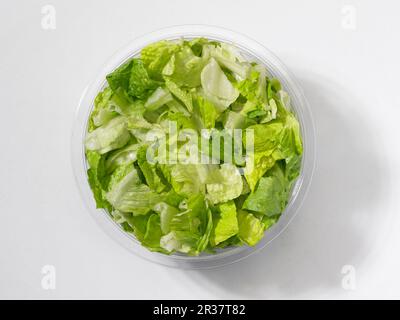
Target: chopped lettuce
{"points": [[131, 195], [251, 228], [216, 86], [156, 55], [184, 68], [111, 136], [225, 223], [270, 196], [157, 158], [228, 187]]}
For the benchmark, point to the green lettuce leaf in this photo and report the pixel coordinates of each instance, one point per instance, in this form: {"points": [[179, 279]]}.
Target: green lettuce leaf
{"points": [[216, 86], [167, 213], [180, 241], [119, 78], [132, 77], [229, 187], [189, 230], [140, 84], [131, 195], [102, 113], [123, 156], [149, 171], [270, 196], [187, 179], [183, 95], [206, 112], [184, 68], [158, 98], [156, 55], [225, 223], [96, 176], [111, 136], [153, 234], [229, 57], [251, 228], [265, 139]]}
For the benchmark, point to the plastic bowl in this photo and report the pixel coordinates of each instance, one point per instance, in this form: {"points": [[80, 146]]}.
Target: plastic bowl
{"points": [[251, 50]]}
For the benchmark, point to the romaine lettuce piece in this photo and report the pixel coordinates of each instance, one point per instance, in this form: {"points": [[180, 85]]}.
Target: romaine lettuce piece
{"points": [[123, 156], [119, 78], [153, 234], [229, 57], [102, 113], [270, 196], [187, 179], [184, 68], [131, 195], [96, 176], [254, 89], [189, 231], [265, 140], [268, 222], [229, 187], [205, 112], [235, 120], [156, 55], [132, 77], [167, 213], [111, 136], [180, 241], [216, 86], [183, 95], [251, 228], [149, 171], [140, 84], [225, 223], [159, 97]]}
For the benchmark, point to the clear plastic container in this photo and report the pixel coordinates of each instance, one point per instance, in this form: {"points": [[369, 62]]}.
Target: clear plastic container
{"points": [[251, 50]]}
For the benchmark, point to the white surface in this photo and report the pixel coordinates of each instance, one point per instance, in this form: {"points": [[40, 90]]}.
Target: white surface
{"points": [[350, 216]]}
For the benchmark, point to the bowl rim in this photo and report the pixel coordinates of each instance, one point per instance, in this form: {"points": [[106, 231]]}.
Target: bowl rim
{"points": [[274, 66]]}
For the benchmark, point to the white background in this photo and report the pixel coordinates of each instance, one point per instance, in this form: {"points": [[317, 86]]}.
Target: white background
{"points": [[351, 214]]}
